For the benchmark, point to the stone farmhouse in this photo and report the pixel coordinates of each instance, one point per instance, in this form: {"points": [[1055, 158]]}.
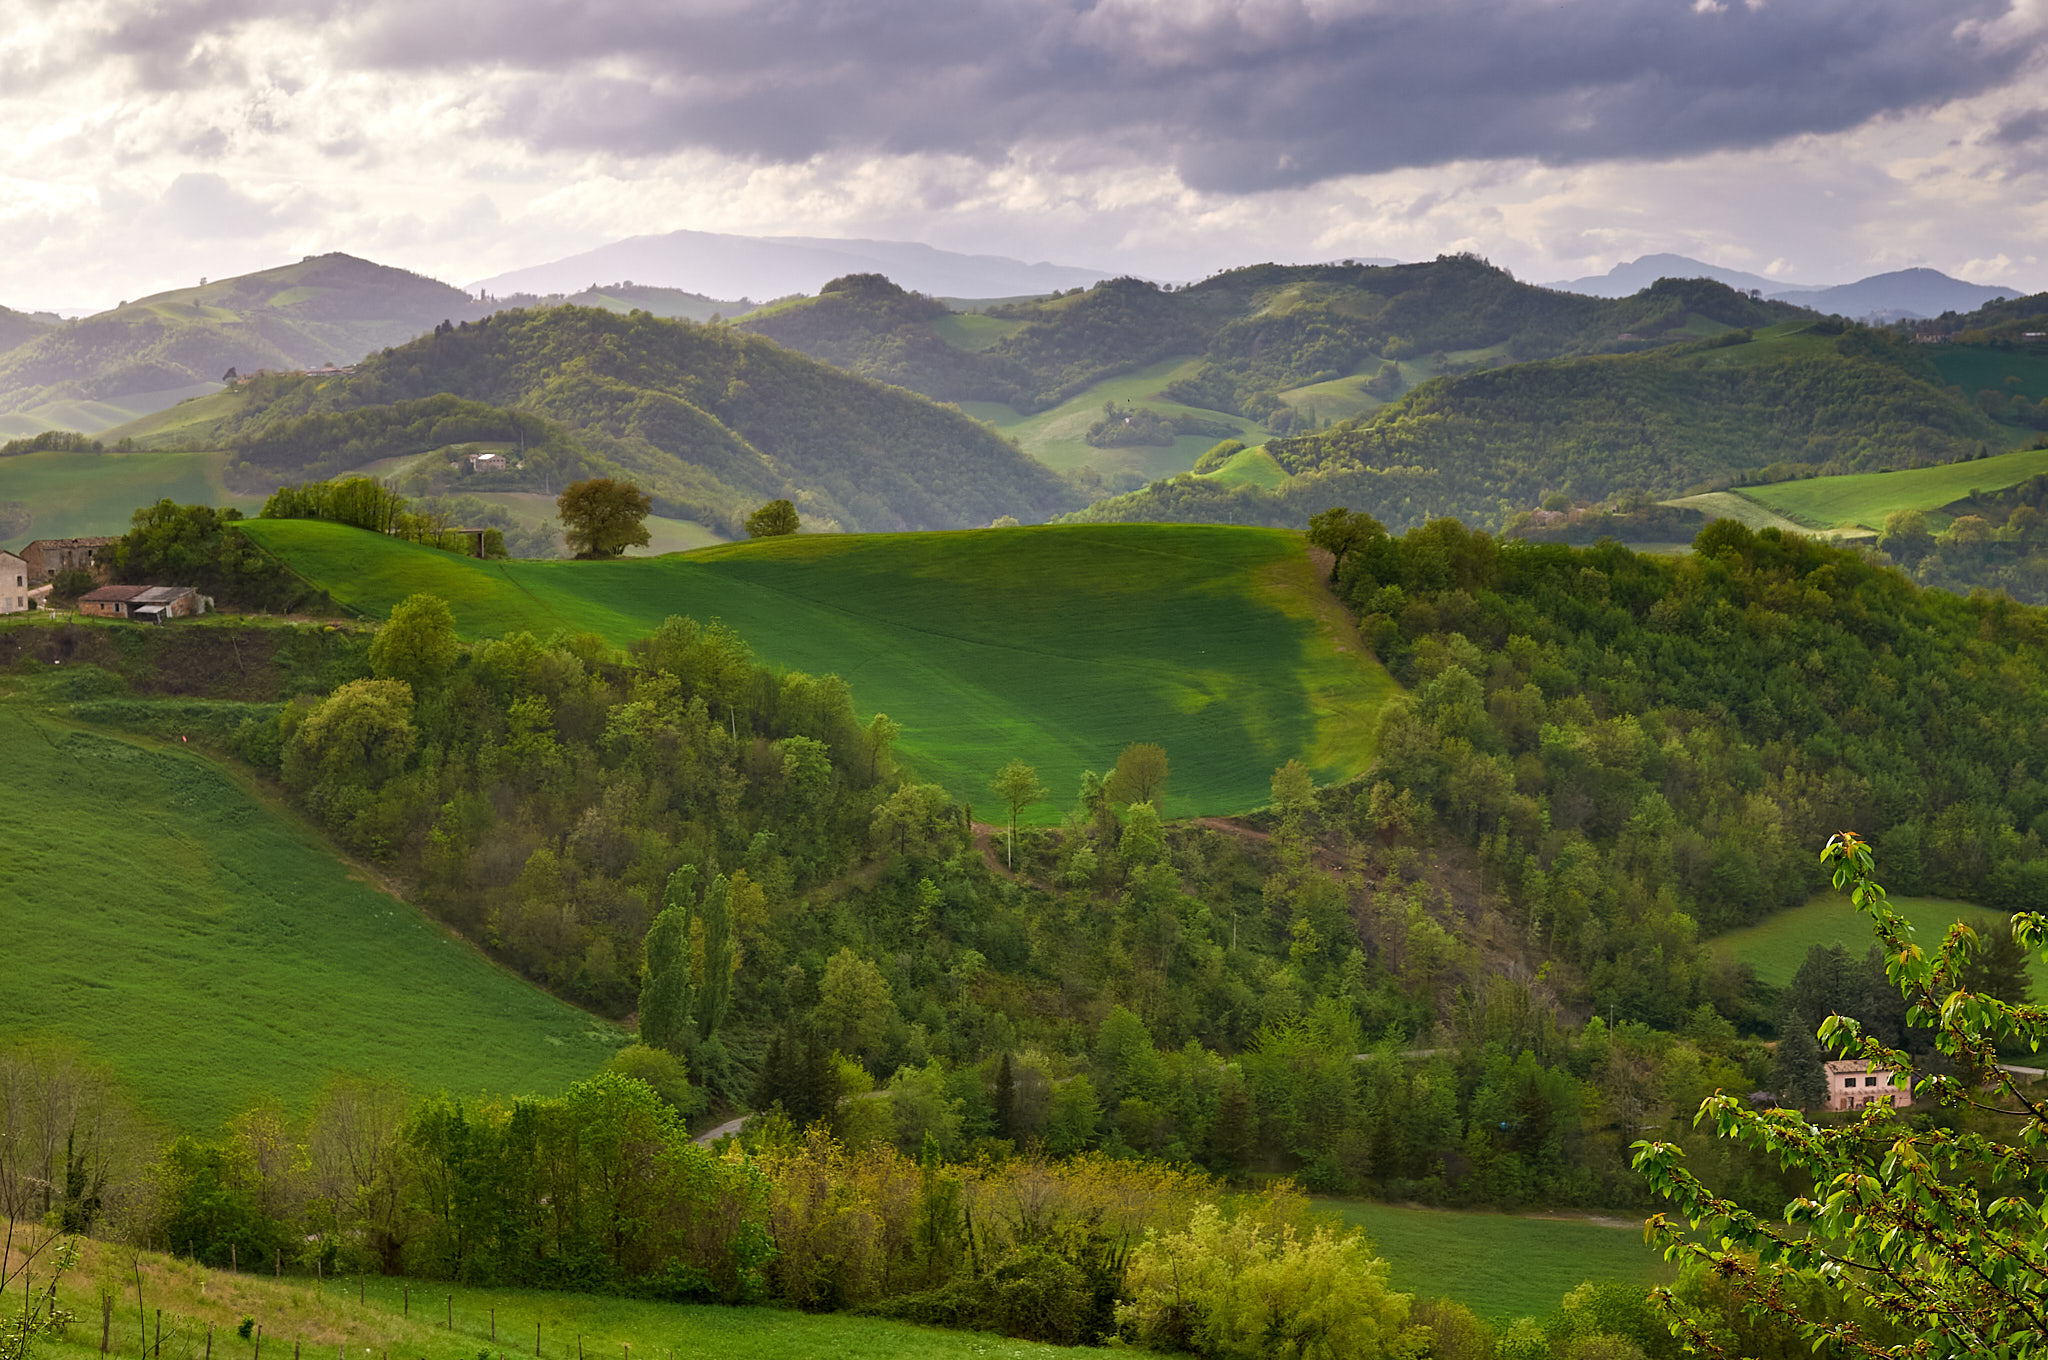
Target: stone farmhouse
{"points": [[1854, 1083], [143, 604], [13, 583], [48, 556]]}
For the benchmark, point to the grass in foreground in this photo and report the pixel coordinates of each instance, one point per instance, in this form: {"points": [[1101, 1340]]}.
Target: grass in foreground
{"points": [[162, 916], [1057, 645], [73, 494], [1777, 946], [312, 1320], [1500, 1265]]}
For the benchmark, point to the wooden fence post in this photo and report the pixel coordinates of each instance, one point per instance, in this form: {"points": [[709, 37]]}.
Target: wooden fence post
{"points": [[234, 1261], [494, 1325], [106, 1323], [159, 1331], [209, 1341], [408, 1300], [259, 1341], [451, 1312]]}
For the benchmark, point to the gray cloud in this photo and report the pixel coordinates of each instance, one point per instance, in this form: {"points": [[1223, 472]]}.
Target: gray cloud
{"points": [[1237, 95], [2022, 128]]}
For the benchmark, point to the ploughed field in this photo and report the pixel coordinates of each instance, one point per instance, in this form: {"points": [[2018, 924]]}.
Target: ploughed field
{"points": [[170, 922], [1058, 645]]}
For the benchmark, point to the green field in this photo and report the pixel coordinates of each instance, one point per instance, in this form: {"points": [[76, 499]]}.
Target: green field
{"points": [[175, 925], [1500, 1265], [1776, 947], [1054, 437], [1740, 508], [1337, 400], [1865, 498], [1059, 645], [1255, 466], [973, 331], [433, 1320], [70, 494]]}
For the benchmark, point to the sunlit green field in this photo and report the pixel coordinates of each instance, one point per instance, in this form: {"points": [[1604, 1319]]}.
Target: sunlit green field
{"points": [[178, 927], [1255, 466], [1777, 946], [72, 494], [1500, 1265], [1054, 437], [1865, 498], [1056, 644]]}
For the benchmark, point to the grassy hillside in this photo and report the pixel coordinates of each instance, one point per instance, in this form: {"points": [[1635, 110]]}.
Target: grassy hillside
{"points": [[710, 421], [636, 297], [1777, 946], [430, 1320], [1862, 500], [1501, 1265], [1057, 645], [1056, 437], [17, 327], [1483, 444], [144, 355], [65, 494], [174, 924]]}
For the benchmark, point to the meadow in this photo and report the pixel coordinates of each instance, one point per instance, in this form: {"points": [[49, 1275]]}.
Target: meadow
{"points": [[1775, 947], [269, 963], [380, 1316], [1977, 367], [1500, 1265], [1054, 437], [1059, 645], [1255, 466], [73, 494], [1865, 498]]}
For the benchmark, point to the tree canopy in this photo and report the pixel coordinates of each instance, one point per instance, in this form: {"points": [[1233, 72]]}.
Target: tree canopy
{"points": [[602, 517]]}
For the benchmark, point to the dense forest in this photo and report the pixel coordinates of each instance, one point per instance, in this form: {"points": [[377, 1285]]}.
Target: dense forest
{"points": [[1604, 758], [709, 421], [1259, 330], [1483, 445]]}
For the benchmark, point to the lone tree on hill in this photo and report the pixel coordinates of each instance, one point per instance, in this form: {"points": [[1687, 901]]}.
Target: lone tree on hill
{"points": [[1339, 533], [1930, 1228], [1017, 785], [773, 520], [602, 517], [1140, 774]]}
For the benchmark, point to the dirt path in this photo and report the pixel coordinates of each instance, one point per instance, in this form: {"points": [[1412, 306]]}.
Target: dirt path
{"points": [[710, 1136]]}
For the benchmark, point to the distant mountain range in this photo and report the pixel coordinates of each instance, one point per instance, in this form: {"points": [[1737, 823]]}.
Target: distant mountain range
{"points": [[763, 267], [1901, 295]]}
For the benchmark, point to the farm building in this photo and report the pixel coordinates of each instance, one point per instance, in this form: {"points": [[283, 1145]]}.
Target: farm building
{"points": [[487, 462], [48, 556], [13, 583], [145, 604], [1854, 1083]]}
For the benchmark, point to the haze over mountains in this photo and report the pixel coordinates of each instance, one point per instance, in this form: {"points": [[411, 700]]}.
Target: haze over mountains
{"points": [[1900, 295], [775, 266]]}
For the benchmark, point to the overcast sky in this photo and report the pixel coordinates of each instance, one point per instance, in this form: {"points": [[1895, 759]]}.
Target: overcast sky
{"points": [[145, 143]]}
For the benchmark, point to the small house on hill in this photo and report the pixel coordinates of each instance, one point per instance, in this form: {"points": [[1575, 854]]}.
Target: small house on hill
{"points": [[13, 583], [48, 556], [144, 604], [1854, 1083], [487, 462]]}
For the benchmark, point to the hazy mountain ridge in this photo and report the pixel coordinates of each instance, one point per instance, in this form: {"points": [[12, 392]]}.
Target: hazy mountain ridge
{"points": [[1900, 294], [724, 265]]}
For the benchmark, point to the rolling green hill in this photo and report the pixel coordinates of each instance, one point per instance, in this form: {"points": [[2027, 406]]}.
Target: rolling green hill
{"points": [[631, 297], [142, 356], [710, 421], [178, 927], [1483, 444], [18, 327], [1862, 500], [1261, 334], [1057, 645]]}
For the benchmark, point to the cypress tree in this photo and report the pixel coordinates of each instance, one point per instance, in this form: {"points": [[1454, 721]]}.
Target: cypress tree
{"points": [[1006, 1100], [665, 994]]}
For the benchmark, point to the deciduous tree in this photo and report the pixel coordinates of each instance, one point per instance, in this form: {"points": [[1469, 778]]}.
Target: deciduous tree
{"points": [[1017, 785], [602, 517], [1140, 774], [776, 519]]}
